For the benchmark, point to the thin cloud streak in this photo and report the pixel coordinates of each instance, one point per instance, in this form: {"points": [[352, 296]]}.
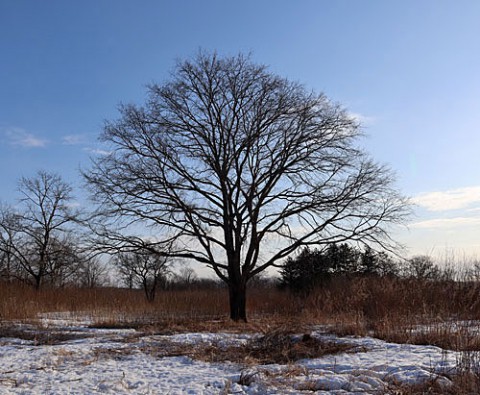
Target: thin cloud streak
{"points": [[446, 223], [449, 200], [21, 138], [74, 139], [96, 151]]}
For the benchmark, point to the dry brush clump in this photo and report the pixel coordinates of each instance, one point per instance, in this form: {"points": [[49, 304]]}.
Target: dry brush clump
{"points": [[39, 337], [283, 348], [276, 347]]}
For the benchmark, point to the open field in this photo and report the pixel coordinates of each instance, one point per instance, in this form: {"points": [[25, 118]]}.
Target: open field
{"points": [[357, 335]]}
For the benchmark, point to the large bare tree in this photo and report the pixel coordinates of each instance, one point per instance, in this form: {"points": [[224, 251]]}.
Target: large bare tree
{"points": [[242, 167]]}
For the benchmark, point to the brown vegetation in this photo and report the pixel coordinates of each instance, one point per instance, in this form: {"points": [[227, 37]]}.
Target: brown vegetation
{"points": [[439, 312], [389, 308]]}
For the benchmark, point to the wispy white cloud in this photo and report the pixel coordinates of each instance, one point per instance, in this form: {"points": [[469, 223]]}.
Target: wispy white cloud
{"points": [[361, 118], [447, 223], [449, 200], [20, 137], [96, 151], [74, 139]]}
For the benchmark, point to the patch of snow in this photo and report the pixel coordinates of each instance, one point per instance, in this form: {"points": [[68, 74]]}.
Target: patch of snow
{"points": [[112, 362]]}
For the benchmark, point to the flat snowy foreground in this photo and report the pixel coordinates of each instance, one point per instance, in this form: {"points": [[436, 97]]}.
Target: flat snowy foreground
{"points": [[98, 361]]}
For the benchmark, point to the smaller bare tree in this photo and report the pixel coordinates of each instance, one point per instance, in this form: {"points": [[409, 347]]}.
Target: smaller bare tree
{"points": [[36, 235], [143, 269], [8, 236], [421, 267], [185, 278], [64, 263], [93, 273]]}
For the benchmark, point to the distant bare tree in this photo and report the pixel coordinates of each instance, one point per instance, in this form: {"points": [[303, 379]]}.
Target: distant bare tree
{"points": [[64, 262], [9, 230], [92, 273], [473, 273], [39, 229], [185, 277], [242, 167], [144, 269], [422, 267]]}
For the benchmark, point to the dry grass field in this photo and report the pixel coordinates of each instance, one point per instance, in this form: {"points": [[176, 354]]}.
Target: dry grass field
{"points": [[391, 309], [440, 313]]}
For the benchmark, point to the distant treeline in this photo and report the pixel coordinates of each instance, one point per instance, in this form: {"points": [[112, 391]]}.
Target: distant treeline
{"points": [[314, 267]]}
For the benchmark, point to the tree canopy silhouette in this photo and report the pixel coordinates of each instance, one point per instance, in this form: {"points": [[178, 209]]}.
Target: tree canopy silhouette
{"points": [[241, 167]]}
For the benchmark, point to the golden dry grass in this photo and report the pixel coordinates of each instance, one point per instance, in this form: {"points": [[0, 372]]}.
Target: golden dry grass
{"points": [[388, 308], [399, 310]]}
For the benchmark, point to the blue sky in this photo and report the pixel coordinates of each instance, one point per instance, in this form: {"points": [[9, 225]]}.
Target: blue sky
{"points": [[410, 71]]}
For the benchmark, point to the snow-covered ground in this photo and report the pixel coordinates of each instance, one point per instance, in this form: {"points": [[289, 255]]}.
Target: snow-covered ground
{"points": [[99, 361]]}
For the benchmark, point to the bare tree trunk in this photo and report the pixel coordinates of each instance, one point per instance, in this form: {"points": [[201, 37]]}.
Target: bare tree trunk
{"points": [[238, 301], [38, 281], [149, 289]]}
